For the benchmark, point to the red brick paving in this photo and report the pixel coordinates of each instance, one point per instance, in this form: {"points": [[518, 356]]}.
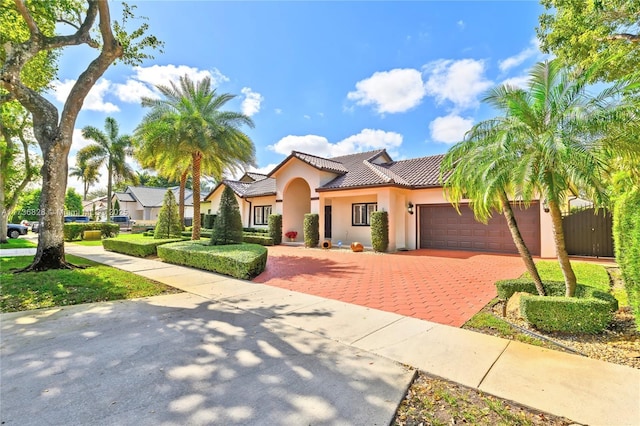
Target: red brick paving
{"points": [[447, 287]]}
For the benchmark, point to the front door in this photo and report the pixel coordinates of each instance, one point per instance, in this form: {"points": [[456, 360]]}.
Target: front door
{"points": [[327, 221]]}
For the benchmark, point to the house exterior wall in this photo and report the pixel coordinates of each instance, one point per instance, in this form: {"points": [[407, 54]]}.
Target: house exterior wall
{"points": [[269, 200]]}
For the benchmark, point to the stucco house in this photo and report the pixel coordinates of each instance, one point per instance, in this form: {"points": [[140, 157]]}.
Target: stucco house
{"points": [[344, 191], [144, 203]]}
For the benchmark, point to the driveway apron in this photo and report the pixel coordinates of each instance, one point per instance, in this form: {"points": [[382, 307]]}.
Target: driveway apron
{"points": [[447, 287]]}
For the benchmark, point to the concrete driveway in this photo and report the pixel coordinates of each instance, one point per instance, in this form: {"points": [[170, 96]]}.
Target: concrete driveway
{"points": [[183, 359], [447, 287]]}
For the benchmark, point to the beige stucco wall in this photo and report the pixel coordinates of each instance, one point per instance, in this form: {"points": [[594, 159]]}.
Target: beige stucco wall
{"points": [[253, 202]]}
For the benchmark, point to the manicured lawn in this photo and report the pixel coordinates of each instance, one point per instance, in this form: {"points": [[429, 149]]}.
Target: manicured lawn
{"points": [[18, 243], [586, 273], [94, 283], [86, 242]]}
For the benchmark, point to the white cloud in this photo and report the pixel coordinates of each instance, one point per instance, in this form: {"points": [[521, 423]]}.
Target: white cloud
{"points": [[450, 129], [264, 170], [461, 24], [145, 80], [307, 116], [95, 98], [133, 91], [515, 60], [367, 139], [393, 91], [521, 82], [459, 82], [278, 110], [78, 141], [251, 102]]}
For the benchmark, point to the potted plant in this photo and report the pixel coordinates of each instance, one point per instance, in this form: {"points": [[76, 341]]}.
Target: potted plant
{"points": [[291, 235]]}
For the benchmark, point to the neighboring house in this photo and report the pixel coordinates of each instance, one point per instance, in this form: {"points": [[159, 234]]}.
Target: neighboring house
{"points": [[100, 204], [144, 203], [345, 190]]}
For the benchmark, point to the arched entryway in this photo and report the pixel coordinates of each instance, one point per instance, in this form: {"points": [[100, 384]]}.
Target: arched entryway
{"points": [[296, 203]]}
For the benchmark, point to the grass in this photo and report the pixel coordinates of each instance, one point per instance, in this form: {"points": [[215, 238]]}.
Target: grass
{"points": [[487, 321], [62, 287], [17, 243], [586, 273], [128, 237], [433, 401]]}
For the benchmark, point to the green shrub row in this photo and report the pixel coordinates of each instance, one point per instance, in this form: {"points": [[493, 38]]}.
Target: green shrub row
{"points": [[138, 248], [275, 228], [74, 231], [311, 229], [257, 238], [243, 261], [506, 288], [380, 231], [203, 234], [566, 314], [626, 234], [255, 230]]}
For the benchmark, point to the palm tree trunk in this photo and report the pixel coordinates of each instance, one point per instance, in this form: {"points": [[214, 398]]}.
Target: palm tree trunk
{"points": [[196, 158], [523, 250], [183, 184], [563, 256], [109, 185]]}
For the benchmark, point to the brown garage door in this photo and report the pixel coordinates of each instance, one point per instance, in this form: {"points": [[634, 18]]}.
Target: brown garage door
{"points": [[441, 227]]}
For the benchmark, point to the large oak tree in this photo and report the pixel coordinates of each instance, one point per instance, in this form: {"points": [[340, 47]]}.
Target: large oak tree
{"points": [[53, 129]]}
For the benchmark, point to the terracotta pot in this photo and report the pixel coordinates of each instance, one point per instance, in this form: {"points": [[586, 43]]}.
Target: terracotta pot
{"points": [[357, 247]]}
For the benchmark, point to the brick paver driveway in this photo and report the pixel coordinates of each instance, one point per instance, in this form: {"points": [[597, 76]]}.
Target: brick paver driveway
{"points": [[446, 287]]}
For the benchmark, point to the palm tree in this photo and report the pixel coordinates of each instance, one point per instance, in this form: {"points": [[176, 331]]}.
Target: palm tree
{"points": [[88, 173], [188, 121], [110, 149], [478, 169], [549, 135]]}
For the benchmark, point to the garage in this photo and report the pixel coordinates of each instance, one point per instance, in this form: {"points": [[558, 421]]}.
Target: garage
{"points": [[441, 227]]}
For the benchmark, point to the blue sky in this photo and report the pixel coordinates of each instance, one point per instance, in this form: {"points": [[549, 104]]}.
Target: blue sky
{"points": [[328, 78]]}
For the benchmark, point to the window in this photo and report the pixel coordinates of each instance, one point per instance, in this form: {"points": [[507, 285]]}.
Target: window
{"points": [[361, 213], [261, 215]]}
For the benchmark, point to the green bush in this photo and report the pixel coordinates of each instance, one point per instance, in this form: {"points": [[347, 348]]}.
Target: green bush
{"points": [[255, 230], [566, 314], [311, 230], [208, 221], [74, 231], [243, 261], [626, 234], [506, 288], [227, 228], [275, 228], [257, 238], [138, 248], [380, 231]]}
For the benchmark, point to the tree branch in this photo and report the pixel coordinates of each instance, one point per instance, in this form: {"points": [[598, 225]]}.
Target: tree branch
{"points": [[633, 38], [28, 19]]}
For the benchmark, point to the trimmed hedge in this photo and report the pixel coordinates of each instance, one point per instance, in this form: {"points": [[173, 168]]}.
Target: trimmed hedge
{"points": [[311, 229], [255, 230], [626, 234], [566, 314], [275, 228], [506, 288], [138, 248], [203, 234], [380, 231], [257, 238], [74, 231], [590, 311], [243, 261]]}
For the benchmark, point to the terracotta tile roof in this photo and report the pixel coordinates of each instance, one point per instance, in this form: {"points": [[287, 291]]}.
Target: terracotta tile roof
{"points": [[327, 164], [259, 188], [256, 176]]}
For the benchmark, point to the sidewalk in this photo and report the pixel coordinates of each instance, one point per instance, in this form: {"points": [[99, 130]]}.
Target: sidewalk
{"points": [[584, 390]]}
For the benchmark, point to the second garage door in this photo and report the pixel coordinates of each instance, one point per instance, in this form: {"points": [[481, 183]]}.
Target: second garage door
{"points": [[441, 227]]}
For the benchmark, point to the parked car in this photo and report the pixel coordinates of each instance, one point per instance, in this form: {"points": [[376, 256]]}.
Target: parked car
{"points": [[78, 219], [35, 227], [15, 230], [125, 222]]}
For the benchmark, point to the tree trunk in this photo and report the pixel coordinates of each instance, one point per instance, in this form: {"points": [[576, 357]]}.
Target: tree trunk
{"points": [[109, 185], [523, 250], [183, 184], [196, 158], [50, 252], [4, 213], [563, 256]]}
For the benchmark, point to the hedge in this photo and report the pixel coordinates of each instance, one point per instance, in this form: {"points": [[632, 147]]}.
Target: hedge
{"points": [[311, 230], [138, 248], [243, 261], [626, 234], [256, 230], [74, 231], [566, 314], [257, 238], [203, 234], [275, 228], [506, 288], [380, 231]]}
